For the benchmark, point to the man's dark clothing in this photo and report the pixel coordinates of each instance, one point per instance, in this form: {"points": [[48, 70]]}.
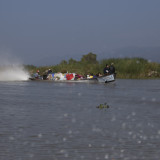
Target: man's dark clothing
{"points": [[111, 69], [106, 70]]}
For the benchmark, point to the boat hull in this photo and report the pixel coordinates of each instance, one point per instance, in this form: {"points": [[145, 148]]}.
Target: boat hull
{"points": [[78, 80], [102, 79], [106, 78]]}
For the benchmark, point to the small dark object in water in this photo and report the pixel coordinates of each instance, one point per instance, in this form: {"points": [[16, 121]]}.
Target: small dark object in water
{"points": [[101, 106]]}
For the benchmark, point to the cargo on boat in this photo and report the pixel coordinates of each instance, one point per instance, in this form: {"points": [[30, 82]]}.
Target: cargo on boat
{"points": [[73, 77]]}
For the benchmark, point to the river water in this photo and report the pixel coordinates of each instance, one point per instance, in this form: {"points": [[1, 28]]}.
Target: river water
{"points": [[60, 121]]}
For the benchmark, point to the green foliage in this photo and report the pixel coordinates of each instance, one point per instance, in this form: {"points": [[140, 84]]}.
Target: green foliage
{"points": [[102, 106], [125, 67], [133, 67], [89, 58], [72, 61], [30, 68], [63, 62]]}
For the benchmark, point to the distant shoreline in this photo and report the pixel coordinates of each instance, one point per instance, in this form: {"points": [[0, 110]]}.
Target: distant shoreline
{"points": [[126, 68]]}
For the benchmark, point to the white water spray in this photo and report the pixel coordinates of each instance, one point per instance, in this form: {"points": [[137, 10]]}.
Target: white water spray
{"points": [[14, 73], [11, 70]]}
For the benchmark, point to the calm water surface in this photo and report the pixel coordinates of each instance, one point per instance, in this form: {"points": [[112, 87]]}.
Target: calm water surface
{"points": [[60, 121]]}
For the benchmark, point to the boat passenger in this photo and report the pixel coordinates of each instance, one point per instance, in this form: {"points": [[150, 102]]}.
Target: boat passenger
{"points": [[112, 69], [106, 69], [36, 75], [99, 74], [49, 71]]}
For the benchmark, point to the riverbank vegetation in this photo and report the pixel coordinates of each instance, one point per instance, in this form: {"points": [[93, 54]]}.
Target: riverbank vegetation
{"points": [[137, 68]]}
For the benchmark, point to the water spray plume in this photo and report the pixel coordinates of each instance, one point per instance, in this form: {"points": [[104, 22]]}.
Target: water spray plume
{"points": [[12, 71]]}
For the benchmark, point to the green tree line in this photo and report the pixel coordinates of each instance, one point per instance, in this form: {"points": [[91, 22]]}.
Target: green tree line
{"points": [[125, 67]]}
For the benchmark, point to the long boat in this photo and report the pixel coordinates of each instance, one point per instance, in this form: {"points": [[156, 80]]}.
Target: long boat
{"points": [[101, 79]]}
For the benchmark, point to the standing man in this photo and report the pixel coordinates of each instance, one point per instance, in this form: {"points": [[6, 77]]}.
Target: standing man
{"points": [[112, 69]]}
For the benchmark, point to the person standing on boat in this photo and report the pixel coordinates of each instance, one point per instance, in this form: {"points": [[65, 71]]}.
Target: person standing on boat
{"points": [[112, 69], [106, 70]]}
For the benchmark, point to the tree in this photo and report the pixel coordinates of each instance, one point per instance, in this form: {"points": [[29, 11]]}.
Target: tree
{"points": [[72, 61], [90, 58], [63, 62]]}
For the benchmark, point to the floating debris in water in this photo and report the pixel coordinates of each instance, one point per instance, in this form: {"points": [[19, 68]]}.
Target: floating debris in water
{"points": [[101, 106]]}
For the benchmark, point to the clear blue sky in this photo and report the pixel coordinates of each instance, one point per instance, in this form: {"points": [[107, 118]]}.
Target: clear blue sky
{"points": [[42, 32]]}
